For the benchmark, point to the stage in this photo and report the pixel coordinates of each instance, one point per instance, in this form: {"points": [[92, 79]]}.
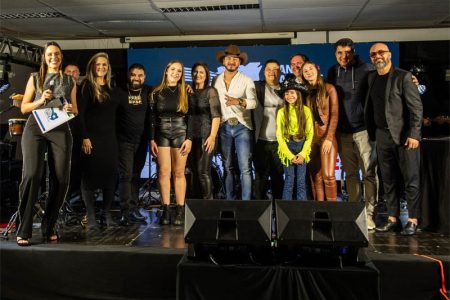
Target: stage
{"points": [[140, 262]]}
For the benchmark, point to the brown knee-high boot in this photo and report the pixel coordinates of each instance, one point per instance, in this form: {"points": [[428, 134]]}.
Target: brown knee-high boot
{"points": [[319, 194], [328, 161]]}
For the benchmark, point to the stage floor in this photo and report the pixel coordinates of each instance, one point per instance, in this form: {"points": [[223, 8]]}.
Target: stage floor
{"points": [[96, 263], [151, 234]]}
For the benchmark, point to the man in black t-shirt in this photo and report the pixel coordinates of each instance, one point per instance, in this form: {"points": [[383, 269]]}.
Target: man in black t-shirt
{"points": [[133, 137], [393, 114]]}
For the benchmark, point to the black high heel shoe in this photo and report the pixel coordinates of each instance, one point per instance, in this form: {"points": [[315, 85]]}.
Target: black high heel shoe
{"points": [[22, 242], [108, 222], [50, 235]]}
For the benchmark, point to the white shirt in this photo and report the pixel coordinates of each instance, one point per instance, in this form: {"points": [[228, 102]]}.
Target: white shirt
{"points": [[241, 87], [269, 123]]}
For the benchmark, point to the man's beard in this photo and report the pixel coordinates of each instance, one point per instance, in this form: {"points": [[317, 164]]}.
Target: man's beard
{"points": [[231, 68], [380, 65], [135, 85]]}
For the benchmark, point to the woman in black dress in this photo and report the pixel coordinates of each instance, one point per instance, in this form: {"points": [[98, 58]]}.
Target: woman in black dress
{"points": [[204, 111], [48, 88], [97, 120], [171, 137]]}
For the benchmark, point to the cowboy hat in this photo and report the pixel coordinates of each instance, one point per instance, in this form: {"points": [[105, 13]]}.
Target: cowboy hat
{"points": [[290, 83], [232, 50]]}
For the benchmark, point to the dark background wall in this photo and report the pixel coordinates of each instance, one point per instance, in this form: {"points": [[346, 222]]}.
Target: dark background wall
{"points": [[117, 58], [434, 56]]}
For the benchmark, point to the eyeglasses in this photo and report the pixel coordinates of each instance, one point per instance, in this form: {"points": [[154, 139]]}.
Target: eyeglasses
{"points": [[379, 52]]}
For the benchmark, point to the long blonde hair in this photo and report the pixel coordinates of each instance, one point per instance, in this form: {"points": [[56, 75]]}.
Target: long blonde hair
{"points": [[44, 68], [317, 96], [90, 77], [183, 100], [298, 107]]}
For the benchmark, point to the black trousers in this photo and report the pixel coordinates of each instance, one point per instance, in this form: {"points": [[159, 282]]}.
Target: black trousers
{"points": [[75, 166], [131, 161], [267, 164], [200, 162], [397, 162], [58, 144]]}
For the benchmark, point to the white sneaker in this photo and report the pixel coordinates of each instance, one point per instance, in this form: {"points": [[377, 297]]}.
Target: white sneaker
{"points": [[370, 223]]}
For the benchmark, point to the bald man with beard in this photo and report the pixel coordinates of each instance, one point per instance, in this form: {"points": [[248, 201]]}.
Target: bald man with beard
{"points": [[393, 114]]}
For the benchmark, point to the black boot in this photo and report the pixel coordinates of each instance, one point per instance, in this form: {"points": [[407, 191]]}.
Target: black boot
{"points": [[90, 216], [179, 216], [124, 219], [107, 220], [89, 202], [108, 197], [165, 218]]}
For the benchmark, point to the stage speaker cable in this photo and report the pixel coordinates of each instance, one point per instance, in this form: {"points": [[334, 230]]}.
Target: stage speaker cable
{"points": [[442, 290]]}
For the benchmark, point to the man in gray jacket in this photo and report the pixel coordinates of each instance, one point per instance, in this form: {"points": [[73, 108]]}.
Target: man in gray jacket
{"points": [[393, 113]]}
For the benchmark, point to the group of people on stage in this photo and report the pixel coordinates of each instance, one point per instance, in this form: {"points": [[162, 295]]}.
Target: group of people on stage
{"points": [[288, 129]]}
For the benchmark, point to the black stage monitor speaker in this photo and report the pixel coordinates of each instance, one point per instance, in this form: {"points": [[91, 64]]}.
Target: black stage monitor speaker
{"points": [[227, 228], [327, 234], [321, 223], [227, 221]]}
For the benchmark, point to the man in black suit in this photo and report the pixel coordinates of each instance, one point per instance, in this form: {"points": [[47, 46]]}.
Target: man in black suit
{"points": [[393, 114]]}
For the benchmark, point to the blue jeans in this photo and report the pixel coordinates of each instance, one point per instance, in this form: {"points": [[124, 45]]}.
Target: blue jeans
{"points": [[295, 173], [237, 140]]}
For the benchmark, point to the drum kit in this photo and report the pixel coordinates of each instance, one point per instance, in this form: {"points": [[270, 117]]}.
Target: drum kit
{"points": [[16, 124], [11, 157]]}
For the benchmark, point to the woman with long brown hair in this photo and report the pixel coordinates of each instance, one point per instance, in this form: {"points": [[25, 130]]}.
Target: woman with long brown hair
{"points": [[205, 114], [323, 102], [47, 88], [171, 139], [97, 120]]}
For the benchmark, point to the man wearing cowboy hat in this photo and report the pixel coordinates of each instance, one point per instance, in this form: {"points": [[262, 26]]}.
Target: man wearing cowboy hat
{"points": [[237, 97]]}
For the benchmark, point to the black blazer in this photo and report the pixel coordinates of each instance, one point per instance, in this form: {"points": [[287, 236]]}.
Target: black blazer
{"points": [[403, 107], [260, 88]]}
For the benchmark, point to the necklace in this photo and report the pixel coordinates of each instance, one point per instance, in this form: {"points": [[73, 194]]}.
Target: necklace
{"points": [[140, 91], [134, 99], [172, 90]]}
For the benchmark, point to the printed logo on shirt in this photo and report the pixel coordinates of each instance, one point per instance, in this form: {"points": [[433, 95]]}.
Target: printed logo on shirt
{"points": [[134, 100]]}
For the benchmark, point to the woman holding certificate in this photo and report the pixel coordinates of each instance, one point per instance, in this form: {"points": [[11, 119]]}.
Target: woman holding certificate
{"points": [[48, 88]]}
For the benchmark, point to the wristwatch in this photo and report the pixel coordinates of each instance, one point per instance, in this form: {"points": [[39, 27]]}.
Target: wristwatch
{"points": [[241, 102]]}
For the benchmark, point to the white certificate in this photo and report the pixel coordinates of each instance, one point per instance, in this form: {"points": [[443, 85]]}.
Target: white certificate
{"points": [[49, 118]]}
